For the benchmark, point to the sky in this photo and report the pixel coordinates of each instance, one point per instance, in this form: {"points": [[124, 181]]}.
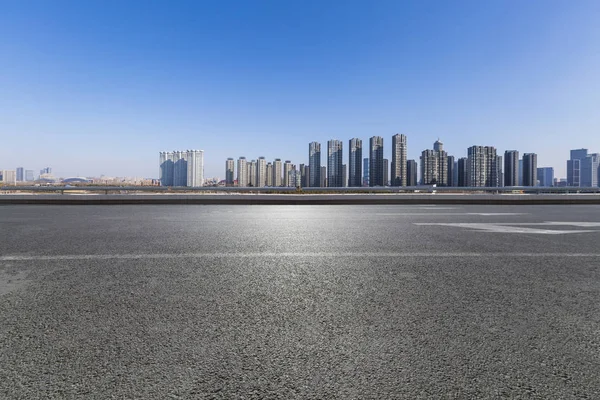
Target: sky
{"points": [[101, 87]]}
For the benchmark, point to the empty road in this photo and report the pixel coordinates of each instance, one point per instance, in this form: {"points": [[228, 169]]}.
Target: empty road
{"points": [[299, 302]]}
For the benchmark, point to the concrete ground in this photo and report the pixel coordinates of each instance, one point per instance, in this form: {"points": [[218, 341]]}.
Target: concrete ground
{"points": [[289, 302]]}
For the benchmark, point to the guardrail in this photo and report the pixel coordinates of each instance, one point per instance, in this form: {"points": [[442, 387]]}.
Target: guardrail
{"points": [[292, 190]]}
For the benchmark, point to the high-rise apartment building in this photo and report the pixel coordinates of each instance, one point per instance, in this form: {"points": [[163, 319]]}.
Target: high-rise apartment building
{"points": [[287, 172], [355, 178], [499, 173], [165, 174], [386, 172], [451, 173], [242, 172], [303, 175], [545, 176], [521, 172], [529, 169], [411, 173], [306, 178], [314, 163], [323, 176], [511, 168], [229, 171], [455, 175], [195, 168], [366, 174], [20, 175], [181, 168], [463, 177], [344, 175], [252, 173], [429, 167], [295, 177], [434, 165], [334, 163], [46, 171], [277, 177], [399, 160], [261, 172], [482, 168], [9, 177], [376, 161], [29, 175], [270, 174]]}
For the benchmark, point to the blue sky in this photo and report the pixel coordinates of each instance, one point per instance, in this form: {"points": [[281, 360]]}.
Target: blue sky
{"points": [[100, 87]]}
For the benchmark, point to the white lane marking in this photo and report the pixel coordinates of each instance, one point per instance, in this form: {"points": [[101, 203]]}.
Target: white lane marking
{"points": [[455, 213], [83, 257], [506, 228], [494, 214]]}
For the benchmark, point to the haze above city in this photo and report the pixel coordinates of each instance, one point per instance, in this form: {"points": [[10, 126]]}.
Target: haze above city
{"points": [[91, 87]]}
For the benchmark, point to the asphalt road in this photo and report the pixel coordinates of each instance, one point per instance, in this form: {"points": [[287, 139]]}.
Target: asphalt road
{"points": [[284, 302]]}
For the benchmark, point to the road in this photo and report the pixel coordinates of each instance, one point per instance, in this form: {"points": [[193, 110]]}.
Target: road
{"points": [[307, 302]]}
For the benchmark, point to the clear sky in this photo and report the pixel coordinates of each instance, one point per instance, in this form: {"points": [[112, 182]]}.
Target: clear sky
{"points": [[100, 87]]}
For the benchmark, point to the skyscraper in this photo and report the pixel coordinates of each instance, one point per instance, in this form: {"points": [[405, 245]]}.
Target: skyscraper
{"points": [[270, 175], [589, 170], [229, 172], [167, 164], [482, 168], [386, 172], [195, 168], [180, 168], [366, 174], [252, 181], [399, 161], [574, 167], [499, 173], [294, 179], [511, 168], [545, 176], [242, 172], [521, 172], [434, 165], [20, 174], [334, 163], [529, 169], [261, 172], [463, 176], [287, 171], [411, 173], [376, 161], [303, 175], [29, 175], [344, 175], [450, 168], [314, 163], [323, 176], [355, 163], [429, 167], [277, 177]]}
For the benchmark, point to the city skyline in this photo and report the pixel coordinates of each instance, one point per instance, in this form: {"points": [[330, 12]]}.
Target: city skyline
{"points": [[469, 73]]}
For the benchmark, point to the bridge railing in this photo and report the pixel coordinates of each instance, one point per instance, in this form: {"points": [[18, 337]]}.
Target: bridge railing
{"points": [[62, 189]]}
